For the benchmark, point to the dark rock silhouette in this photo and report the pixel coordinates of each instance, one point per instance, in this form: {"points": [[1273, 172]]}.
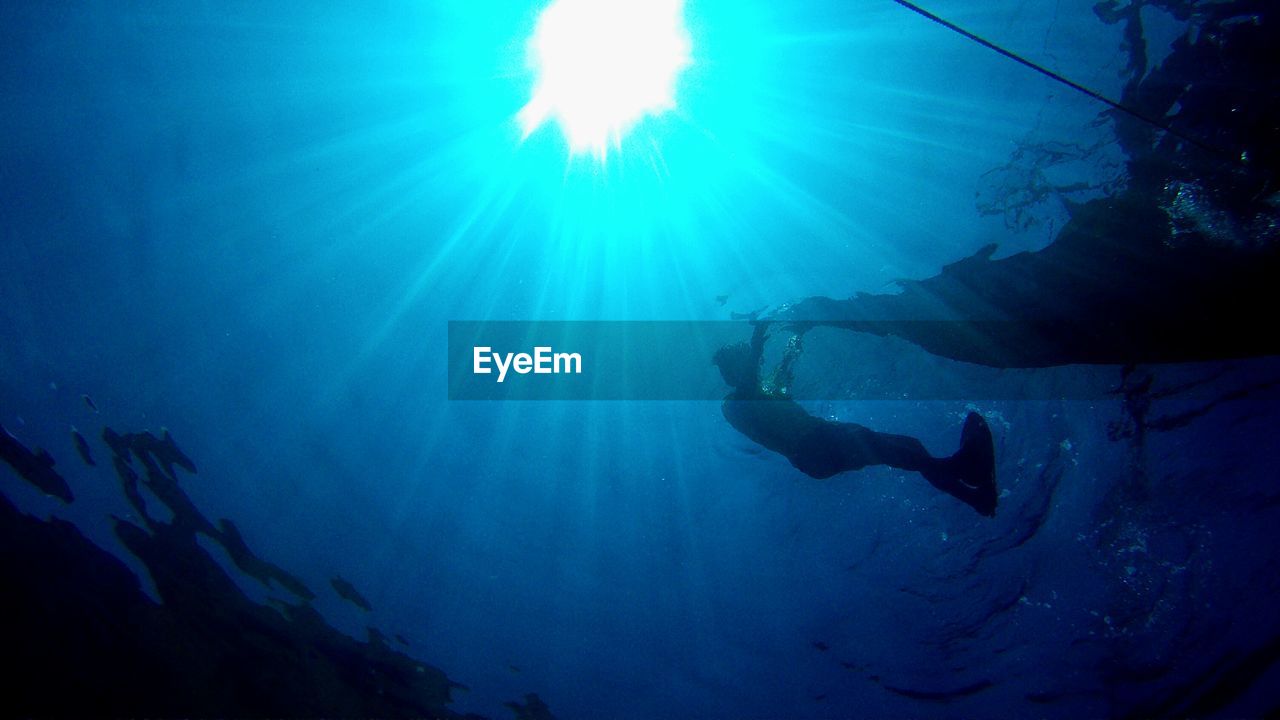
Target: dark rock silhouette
{"points": [[82, 447], [348, 592], [157, 457], [94, 644], [940, 696], [36, 467], [531, 709]]}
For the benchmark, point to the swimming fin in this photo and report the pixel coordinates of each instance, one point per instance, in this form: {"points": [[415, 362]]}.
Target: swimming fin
{"points": [[970, 474]]}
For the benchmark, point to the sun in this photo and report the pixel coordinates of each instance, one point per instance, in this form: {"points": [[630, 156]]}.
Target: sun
{"points": [[601, 66]]}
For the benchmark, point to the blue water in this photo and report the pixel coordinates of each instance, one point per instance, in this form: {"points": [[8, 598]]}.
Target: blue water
{"points": [[251, 222]]}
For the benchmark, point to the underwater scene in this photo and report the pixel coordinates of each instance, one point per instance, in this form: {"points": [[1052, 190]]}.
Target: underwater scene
{"points": [[629, 359]]}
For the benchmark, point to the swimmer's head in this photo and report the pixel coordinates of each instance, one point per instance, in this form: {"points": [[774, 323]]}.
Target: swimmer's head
{"points": [[738, 365]]}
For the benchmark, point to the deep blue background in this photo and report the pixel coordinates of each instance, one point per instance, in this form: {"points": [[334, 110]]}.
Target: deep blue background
{"points": [[251, 222]]}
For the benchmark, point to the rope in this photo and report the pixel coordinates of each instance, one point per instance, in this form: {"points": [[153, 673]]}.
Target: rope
{"points": [[1155, 122]]}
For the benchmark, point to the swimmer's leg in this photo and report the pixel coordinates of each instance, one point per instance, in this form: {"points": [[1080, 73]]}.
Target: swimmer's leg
{"points": [[833, 448], [968, 475]]}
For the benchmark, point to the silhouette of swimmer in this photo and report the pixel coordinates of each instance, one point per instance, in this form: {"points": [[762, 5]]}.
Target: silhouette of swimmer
{"points": [[822, 448]]}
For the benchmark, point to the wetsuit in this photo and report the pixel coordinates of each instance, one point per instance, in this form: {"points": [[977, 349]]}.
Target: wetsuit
{"points": [[823, 448]]}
